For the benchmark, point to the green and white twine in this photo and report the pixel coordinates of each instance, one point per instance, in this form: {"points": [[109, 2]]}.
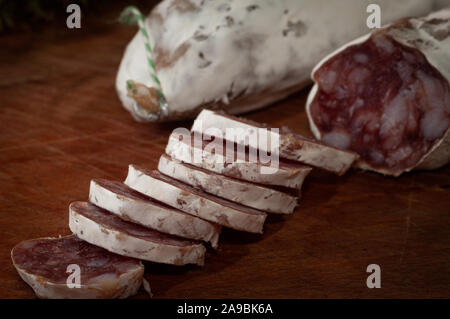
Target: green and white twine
{"points": [[132, 16]]}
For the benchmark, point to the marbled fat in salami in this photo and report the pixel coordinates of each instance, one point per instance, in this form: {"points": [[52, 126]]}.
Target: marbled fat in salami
{"points": [[387, 97], [43, 262]]}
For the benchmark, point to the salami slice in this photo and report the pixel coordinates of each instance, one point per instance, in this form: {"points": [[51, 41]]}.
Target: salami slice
{"points": [[101, 228], [234, 162], [245, 193], [43, 264], [135, 207], [287, 144], [195, 202], [386, 96], [263, 51]]}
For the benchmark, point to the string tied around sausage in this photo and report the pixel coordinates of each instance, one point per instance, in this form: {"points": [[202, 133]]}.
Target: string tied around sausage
{"points": [[150, 103]]}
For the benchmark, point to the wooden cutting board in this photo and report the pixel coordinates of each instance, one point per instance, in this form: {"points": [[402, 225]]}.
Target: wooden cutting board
{"points": [[61, 124]]}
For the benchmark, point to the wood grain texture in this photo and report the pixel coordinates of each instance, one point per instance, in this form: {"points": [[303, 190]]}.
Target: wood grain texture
{"points": [[61, 124]]}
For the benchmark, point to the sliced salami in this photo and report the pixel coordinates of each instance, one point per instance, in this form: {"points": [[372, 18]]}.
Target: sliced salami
{"points": [[46, 264], [182, 146], [194, 201], [245, 193], [386, 96], [135, 207], [101, 228], [287, 144]]}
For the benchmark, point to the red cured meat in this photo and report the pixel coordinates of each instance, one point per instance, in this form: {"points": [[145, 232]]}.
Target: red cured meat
{"points": [[383, 100], [43, 263]]}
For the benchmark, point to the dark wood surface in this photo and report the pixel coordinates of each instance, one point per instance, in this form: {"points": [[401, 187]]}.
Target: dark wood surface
{"points": [[61, 124]]}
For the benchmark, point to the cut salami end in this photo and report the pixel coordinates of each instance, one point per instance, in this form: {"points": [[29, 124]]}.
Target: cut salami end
{"points": [[386, 96], [195, 202], [43, 264], [287, 144], [234, 162], [133, 206], [101, 228], [245, 193]]}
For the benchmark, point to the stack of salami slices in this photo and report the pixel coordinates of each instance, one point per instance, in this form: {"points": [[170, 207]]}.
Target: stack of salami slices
{"points": [[167, 215]]}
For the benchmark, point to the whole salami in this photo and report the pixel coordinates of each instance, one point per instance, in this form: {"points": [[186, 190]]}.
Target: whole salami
{"points": [[238, 55], [386, 96]]}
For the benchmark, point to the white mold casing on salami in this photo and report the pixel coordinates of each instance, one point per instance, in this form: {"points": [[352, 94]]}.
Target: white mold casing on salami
{"points": [[93, 224], [121, 278], [130, 205], [245, 193], [288, 145], [181, 146], [428, 36], [262, 50], [195, 202]]}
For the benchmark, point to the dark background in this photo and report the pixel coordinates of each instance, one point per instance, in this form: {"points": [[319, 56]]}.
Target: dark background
{"points": [[37, 15]]}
